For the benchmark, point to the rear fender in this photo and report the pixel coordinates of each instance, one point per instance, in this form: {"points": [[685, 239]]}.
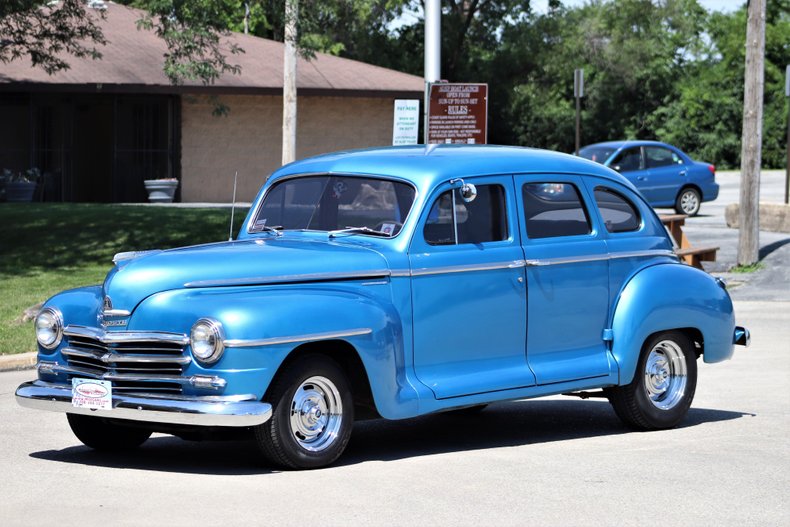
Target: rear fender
{"points": [[665, 297]]}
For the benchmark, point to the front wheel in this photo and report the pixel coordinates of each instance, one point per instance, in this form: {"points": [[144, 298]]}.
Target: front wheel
{"points": [[688, 202], [663, 387], [102, 434], [312, 415]]}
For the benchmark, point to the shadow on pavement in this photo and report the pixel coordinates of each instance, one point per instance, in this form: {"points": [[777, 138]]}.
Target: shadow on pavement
{"points": [[499, 425], [771, 247]]}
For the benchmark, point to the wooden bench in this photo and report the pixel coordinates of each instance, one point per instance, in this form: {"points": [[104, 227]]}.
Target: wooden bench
{"points": [[693, 256]]}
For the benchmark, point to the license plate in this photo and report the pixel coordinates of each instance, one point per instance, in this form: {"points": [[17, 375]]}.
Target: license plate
{"points": [[91, 393]]}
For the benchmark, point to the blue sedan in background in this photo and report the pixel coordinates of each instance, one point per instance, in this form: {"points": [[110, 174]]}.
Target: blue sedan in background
{"points": [[663, 174]]}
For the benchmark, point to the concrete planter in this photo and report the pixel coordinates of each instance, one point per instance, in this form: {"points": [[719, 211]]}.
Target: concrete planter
{"points": [[161, 190], [19, 191]]}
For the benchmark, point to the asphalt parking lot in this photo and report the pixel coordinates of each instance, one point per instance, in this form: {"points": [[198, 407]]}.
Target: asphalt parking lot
{"points": [[552, 461]]}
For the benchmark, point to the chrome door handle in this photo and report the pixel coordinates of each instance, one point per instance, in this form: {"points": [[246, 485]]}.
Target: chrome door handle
{"points": [[683, 172]]}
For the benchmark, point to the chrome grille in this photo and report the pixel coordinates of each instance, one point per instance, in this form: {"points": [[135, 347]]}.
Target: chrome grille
{"points": [[133, 361]]}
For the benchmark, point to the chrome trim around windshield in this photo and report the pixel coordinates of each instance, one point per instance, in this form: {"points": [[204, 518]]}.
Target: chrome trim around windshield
{"points": [[214, 410], [597, 258], [117, 337], [272, 341], [291, 278], [468, 268]]}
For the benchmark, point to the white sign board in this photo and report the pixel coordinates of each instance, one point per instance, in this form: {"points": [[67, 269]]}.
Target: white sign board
{"points": [[406, 122]]}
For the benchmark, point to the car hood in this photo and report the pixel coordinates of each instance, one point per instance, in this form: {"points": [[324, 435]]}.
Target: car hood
{"points": [[238, 263]]}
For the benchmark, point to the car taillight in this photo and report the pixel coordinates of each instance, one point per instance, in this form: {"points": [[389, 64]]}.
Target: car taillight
{"points": [[712, 169]]}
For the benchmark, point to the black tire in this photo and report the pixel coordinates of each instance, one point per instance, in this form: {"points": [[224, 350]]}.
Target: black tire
{"points": [[688, 201], [302, 440], [659, 396], [102, 434]]}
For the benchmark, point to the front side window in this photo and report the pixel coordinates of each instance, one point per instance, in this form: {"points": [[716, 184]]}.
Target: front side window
{"points": [[554, 209], [327, 203], [618, 213], [628, 160], [656, 157], [482, 220]]}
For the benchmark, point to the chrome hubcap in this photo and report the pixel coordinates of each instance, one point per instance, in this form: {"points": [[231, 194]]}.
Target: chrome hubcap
{"points": [[316, 414], [689, 202], [665, 375]]}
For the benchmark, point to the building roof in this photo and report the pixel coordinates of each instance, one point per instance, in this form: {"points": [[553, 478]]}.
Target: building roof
{"points": [[133, 59]]}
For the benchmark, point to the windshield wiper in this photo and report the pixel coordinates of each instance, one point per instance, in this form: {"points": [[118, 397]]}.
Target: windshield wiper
{"points": [[359, 230], [277, 229]]}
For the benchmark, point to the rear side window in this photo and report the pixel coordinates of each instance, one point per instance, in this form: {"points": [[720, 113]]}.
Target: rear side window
{"points": [[618, 213], [554, 209], [657, 157], [482, 220]]}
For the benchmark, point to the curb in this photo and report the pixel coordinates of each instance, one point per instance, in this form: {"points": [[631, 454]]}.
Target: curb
{"points": [[21, 361]]}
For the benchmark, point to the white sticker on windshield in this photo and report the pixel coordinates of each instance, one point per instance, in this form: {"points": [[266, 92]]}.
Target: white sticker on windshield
{"points": [[388, 228]]}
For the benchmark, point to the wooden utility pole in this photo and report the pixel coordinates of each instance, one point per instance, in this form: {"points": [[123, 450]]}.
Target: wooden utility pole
{"points": [[752, 138], [289, 82]]}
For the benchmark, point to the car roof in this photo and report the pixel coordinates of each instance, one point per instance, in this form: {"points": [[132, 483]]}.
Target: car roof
{"points": [[627, 142], [427, 166]]}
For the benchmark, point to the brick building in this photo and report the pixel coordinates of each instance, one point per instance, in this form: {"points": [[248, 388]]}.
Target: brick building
{"points": [[100, 128]]}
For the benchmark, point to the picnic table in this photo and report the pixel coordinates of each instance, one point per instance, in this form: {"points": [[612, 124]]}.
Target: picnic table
{"points": [[693, 256]]}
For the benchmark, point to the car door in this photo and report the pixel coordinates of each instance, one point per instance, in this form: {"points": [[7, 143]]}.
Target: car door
{"points": [[469, 293], [567, 279], [666, 174]]}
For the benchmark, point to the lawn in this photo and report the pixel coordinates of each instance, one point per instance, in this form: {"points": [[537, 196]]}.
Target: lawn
{"points": [[46, 248]]}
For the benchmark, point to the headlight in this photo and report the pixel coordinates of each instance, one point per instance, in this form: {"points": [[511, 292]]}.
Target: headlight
{"points": [[207, 339], [49, 328]]}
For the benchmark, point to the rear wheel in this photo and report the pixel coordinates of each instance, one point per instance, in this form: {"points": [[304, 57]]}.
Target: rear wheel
{"points": [[312, 415], [102, 434], [663, 387], [688, 202]]}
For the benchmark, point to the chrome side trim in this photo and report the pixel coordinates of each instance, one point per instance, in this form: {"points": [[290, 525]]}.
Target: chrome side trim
{"points": [[110, 357], [116, 313], [469, 268], [598, 257], [308, 277], [272, 341], [184, 410], [118, 337], [213, 382]]}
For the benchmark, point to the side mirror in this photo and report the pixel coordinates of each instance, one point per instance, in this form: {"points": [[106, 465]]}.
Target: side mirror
{"points": [[468, 192]]}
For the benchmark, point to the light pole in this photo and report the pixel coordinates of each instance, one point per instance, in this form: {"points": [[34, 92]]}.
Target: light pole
{"points": [[787, 167], [433, 52], [578, 93]]}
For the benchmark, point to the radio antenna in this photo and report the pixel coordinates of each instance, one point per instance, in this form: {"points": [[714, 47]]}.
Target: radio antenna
{"points": [[233, 207]]}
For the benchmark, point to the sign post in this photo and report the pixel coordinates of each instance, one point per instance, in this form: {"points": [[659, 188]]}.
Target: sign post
{"points": [[458, 113], [787, 168], [406, 122], [578, 93]]}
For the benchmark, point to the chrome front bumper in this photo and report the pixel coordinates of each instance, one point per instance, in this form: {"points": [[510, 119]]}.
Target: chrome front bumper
{"points": [[237, 411]]}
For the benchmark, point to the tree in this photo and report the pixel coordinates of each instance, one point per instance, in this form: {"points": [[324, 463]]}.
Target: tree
{"points": [[42, 32]]}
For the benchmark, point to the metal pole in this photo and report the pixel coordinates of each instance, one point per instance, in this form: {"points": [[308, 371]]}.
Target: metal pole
{"points": [[578, 124], [289, 82], [752, 137], [578, 93], [787, 166], [433, 53]]}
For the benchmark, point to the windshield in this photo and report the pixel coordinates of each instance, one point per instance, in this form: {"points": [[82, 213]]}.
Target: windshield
{"points": [[597, 153], [330, 203]]}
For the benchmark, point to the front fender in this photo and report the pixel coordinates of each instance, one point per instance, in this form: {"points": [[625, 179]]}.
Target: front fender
{"points": [[262, 313], [665, 297]]}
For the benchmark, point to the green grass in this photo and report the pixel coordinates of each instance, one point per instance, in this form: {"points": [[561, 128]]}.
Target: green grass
{"points": [[46, 248], [743, 269]]}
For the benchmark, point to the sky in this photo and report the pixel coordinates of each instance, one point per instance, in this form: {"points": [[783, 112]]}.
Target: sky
{"points": [[711, 5]]}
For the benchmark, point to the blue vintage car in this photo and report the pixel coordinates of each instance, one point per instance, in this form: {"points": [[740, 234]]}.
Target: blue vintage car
{"points": [[663, 174], [390, 283]]}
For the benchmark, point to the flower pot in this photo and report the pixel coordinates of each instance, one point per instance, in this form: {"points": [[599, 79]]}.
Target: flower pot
{"points": [[161, 190], [19, 191]]}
